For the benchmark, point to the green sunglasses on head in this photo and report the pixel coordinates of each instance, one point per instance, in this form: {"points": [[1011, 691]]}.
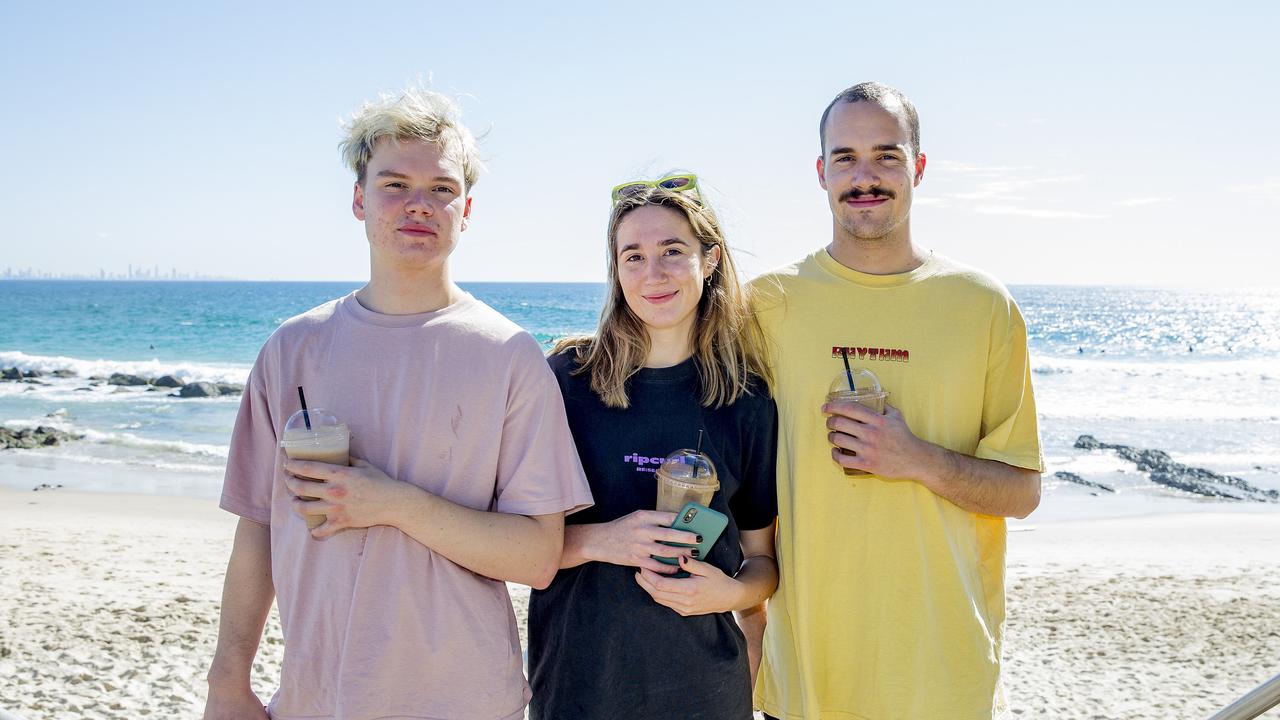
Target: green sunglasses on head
{"points": [[674, 183]]}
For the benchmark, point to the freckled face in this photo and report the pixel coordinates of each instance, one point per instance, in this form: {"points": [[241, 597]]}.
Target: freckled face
{"points": [[661, 267], [413, 204]]}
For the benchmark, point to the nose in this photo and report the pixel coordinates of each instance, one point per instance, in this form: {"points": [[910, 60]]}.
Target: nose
{"points": [[419, 203], [865, 175], [655, 272]]}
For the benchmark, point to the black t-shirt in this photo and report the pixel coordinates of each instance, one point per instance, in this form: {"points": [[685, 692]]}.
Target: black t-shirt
{"points": [[599, 646]]}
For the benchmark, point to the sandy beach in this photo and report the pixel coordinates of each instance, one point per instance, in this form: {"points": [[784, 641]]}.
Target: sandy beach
{"points": [[111, 602]]}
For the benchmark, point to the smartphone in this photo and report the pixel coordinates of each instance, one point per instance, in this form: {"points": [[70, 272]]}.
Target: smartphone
{"points": [[700, 520]]}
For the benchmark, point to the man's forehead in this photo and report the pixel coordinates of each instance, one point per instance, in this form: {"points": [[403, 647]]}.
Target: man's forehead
{"points": [[407, 154], [888, 124]]}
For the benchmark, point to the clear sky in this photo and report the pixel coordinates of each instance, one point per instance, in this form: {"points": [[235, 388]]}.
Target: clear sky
{"points": [[1085, 142]]}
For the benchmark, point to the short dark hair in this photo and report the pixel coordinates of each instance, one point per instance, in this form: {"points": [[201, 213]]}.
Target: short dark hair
{"points": [[877, 93]]}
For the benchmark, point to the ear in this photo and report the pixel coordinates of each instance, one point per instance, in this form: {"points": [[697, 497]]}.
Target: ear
{"points": [[822, 173], [712, 262], [357, 202], [920, 162], [466, 213]]}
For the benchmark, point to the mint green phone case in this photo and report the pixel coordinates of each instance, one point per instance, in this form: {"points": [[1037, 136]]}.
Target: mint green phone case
{"points": [[701, 520]]}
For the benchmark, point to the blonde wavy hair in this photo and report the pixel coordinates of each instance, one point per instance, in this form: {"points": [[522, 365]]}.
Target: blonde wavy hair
{"points": [[728, 345], [415, 114]]}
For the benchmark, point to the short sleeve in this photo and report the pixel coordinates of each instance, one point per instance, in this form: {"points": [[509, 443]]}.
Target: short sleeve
{"points": [[755, 505], [1010, 430], [251, 463], [539, 472]]}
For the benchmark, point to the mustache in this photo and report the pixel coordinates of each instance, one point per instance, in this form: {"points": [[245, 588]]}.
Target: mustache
{"points": [[876, 191]]}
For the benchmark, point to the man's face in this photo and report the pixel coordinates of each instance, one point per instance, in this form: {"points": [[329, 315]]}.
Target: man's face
{"points": [[413, 204], [869, 171]]}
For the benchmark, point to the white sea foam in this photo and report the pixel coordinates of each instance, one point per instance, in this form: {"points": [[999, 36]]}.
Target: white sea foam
{"points": [[124, 440], [186, 371]]}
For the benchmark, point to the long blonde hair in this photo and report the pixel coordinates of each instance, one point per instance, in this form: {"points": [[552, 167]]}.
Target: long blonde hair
{"points": [[728, 345]]}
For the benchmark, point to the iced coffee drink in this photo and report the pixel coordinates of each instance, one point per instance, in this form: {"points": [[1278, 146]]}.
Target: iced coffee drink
{"points": [[318, 436], [861, 386], [686, 476]]}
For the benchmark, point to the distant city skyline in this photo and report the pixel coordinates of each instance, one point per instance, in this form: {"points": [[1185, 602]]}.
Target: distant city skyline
{"points": [[205, 136]]}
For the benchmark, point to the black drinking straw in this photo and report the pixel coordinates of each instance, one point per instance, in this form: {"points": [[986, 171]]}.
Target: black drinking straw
{"points": [[699, 450], [844, 354], [306, 418]]}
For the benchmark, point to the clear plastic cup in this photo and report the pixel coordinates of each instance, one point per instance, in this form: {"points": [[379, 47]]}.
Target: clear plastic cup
{"points": [[865, 391], [686, 476], [328, 440]]}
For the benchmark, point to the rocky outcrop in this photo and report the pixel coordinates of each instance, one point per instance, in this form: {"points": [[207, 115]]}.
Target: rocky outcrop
{"points": [[124, 379], [167, 381], [230, 388], [1074, 478], [27, 438], [198, 390], [10, 374], [1164, 471]]}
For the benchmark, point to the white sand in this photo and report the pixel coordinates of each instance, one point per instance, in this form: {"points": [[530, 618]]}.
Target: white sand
{"points": [[110, 604]]}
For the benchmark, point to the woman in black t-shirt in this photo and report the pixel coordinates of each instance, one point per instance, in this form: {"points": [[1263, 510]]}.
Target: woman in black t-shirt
{"points": [[677, 352]]}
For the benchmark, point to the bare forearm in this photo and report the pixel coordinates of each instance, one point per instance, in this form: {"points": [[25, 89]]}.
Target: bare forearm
{"points": [[247, 594], [503, 546], [576, 544], [987, 487], [759, 578]]}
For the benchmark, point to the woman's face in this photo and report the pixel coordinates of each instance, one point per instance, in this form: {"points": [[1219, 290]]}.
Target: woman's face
{"points": [[661, 267]]}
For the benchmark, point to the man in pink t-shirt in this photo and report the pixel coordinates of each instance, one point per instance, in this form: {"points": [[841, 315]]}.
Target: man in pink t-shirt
{"points": [[462, 466]]}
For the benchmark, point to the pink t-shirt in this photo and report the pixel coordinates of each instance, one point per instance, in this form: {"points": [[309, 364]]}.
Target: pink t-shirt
{"points": [[460, 402]]}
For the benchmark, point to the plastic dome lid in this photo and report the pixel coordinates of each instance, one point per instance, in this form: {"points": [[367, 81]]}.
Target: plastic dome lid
{"points": [[319, 417], [864, 381], [689, 464]]}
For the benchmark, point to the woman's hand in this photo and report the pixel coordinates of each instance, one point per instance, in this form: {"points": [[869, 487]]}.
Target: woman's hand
{"points": [[631, 539], [358, 496], [706, 590]]}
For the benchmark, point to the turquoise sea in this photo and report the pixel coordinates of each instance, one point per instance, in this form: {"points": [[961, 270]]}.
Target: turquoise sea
{"points": [[1192, 372]]}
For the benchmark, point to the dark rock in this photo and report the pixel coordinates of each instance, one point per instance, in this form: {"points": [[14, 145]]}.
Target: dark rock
{"points": [[123, 379], [1164, 471], [64, 373], [33, 374], [83, 389], [230, 388], [198, 389], [27, 439], [11, 374], [167, 381], [1074, 478], [97, 377]]}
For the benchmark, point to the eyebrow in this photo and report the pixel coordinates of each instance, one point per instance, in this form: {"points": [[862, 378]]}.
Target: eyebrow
{"points": [[402, 176], [664, 243], [878, 148]]}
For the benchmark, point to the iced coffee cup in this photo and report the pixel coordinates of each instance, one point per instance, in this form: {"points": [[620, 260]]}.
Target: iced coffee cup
{"points": [[686, 476], [861, 386], [319, 436]]}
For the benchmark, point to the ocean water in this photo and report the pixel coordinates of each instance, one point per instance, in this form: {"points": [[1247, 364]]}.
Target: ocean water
{"points": [[1193, 372]]}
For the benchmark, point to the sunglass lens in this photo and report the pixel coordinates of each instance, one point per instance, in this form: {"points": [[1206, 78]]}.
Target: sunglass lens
{"points": [[630, 189], [674, 183]]}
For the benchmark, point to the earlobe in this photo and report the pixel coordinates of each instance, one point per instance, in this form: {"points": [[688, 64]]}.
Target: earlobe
{"points": [[920, 163], [822, 173]]}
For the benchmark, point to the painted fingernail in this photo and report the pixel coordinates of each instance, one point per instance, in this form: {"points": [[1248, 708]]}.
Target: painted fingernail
{"points": [[695, 552], [699, 539]]}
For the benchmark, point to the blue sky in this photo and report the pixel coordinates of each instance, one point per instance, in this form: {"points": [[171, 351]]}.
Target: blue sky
{"points": [[1109, 142]]}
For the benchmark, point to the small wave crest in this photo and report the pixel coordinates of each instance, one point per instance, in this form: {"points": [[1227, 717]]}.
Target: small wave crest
{"points": [[125, 440], [186, 371]]}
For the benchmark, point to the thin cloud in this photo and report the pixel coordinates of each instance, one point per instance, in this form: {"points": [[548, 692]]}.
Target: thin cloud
{"points": [[1039, 214], [1139, 202], [1266, 189]]}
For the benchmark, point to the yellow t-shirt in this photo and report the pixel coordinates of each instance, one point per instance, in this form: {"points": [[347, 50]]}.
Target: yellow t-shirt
{"points": [[891, 599]]}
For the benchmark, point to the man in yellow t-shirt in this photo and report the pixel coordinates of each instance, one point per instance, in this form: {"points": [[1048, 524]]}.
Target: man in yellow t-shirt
{"points": [[891, 601]]}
